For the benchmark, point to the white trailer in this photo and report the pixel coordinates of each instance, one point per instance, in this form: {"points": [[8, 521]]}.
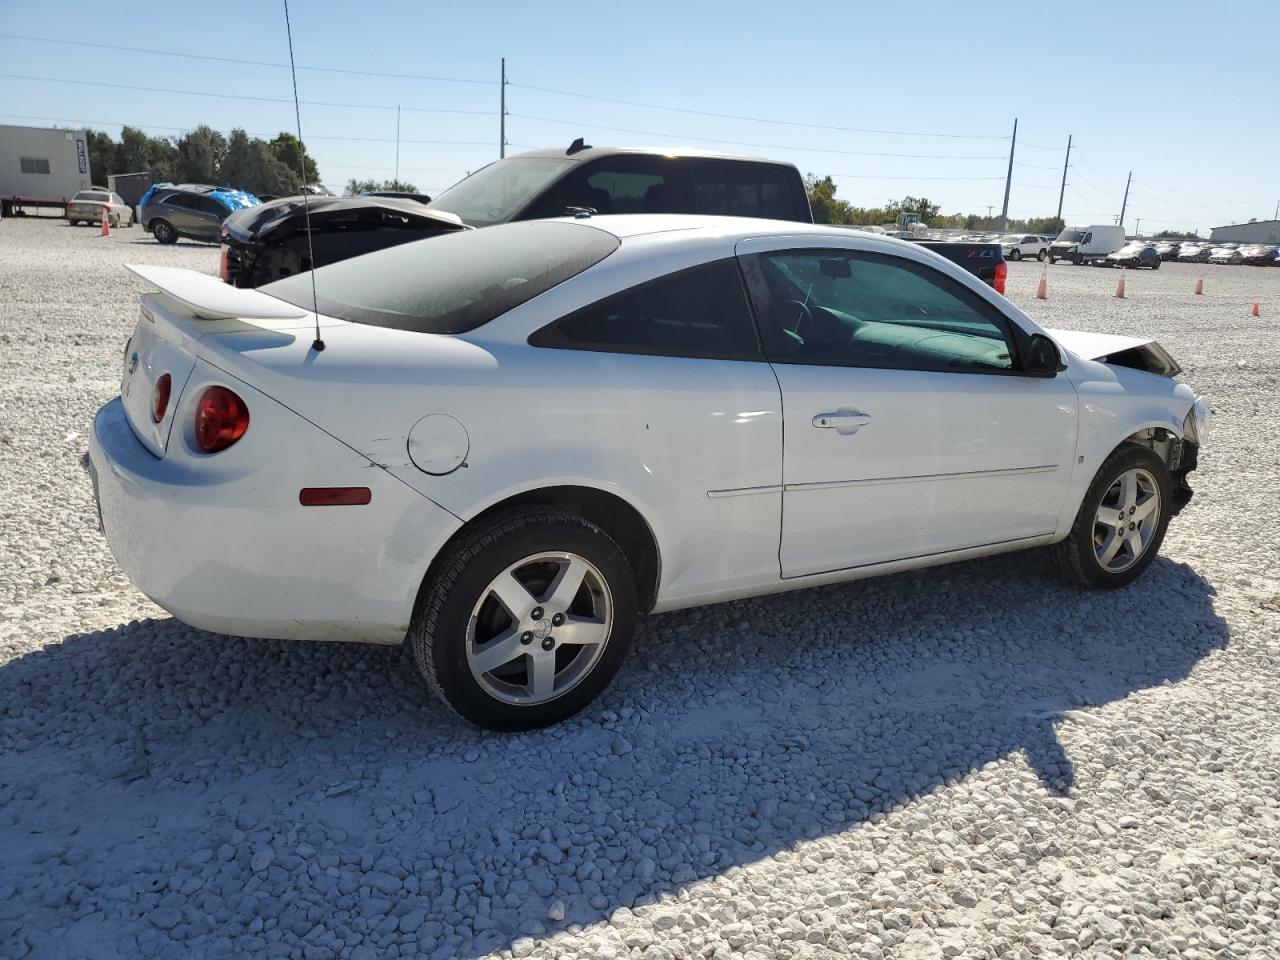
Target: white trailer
{"points": [[40, 166]]}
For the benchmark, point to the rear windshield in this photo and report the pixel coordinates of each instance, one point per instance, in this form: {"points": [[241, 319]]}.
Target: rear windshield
{"points": [[91, 195], [453, 283]]}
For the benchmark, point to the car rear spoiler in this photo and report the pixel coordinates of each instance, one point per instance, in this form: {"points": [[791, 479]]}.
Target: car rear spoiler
{"points": [[211, 299]]}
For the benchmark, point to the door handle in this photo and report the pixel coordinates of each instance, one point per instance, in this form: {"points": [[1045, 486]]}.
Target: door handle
{"points": [[845, 421]]}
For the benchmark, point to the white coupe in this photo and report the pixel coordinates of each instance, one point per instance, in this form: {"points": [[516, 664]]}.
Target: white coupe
{"points": [[506, 444]]}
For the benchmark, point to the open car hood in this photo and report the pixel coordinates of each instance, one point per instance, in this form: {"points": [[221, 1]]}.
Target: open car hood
{"points": [[288, 215], [1136, 352]]}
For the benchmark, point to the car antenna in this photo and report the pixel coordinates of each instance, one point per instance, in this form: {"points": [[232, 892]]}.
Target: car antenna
{"points": [[317, 345]]}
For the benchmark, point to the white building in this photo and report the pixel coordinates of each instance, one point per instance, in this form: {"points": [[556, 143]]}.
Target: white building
{"points": [[1255, 231], [42, 163]]}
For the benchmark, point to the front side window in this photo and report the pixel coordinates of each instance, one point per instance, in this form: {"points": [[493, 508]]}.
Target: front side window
{"points": [[620, 184], [700, 312], [34, 164], [452, 283], [840, 308]]}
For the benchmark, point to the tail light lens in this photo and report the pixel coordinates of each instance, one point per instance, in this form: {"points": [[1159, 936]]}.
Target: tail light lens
{"points": [[221, 419], [160, 397], [1002, 274]]}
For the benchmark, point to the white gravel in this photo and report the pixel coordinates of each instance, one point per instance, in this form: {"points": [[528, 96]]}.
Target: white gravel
{"points": [[975, 761]]}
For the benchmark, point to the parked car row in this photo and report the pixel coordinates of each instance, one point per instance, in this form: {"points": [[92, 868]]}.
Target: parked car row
{"points": [[1204, 251]]}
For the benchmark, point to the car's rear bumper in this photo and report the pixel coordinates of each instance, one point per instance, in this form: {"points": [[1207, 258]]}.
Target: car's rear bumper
{"points": [[237, 554]]}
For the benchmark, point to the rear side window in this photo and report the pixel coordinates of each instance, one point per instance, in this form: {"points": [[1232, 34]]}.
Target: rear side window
{"points": [[453, 283], [740, 190], [700, 312]]}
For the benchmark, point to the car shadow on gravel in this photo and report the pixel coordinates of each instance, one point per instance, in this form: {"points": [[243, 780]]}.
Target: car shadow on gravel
{"points": [[161, 784]]}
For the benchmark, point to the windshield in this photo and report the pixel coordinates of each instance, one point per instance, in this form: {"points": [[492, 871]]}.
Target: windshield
{"points": [[453, 283], [495, 193], [1070, 235]]}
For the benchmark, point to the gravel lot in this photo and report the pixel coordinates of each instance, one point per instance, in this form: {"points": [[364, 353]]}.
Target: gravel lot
{"points": [[975, 761]]}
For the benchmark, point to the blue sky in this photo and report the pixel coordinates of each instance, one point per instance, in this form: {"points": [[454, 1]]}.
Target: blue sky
{"points": [[1180, 92]]}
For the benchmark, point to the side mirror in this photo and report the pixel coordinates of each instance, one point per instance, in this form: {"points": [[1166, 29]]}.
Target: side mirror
{"points": [[1043, 358]]}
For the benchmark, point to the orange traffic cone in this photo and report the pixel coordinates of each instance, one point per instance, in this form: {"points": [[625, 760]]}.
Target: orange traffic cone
{"points": [[106, 221], [1254, 311], [1200, 287], [1042, 291], [1120, 285]]}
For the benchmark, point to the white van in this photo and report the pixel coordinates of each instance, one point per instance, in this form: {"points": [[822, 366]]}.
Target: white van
{"points": [[1084, 244]]}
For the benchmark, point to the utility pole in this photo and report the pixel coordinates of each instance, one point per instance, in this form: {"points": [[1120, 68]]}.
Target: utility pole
{"points": [[1137, 230], [1008, 180], [1124, 203], [397, 146], [1063, 189], [502, 112]]}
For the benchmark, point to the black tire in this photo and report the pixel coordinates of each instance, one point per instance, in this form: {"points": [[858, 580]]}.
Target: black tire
{"points": [[460, 581], [1041, 256], [1076, 557], [1156, 265], [1015, 254], [164, 232], [1053, 260]]}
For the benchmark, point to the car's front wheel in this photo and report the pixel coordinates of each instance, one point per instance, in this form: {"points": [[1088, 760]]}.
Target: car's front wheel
{"points": [[1015, 254], [1121, 522], [163, 231], [525, 619]]}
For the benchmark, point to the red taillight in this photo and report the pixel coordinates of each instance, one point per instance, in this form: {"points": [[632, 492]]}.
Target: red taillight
{"points": [[334, 496], [221, 419], [160, 397], [1002, 274]]}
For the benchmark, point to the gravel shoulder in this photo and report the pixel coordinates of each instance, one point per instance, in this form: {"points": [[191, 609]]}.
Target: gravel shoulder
{"points": [[971, 761]]}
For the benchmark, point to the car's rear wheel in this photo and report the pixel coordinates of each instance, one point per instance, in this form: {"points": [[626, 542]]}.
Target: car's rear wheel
{"points": [[1155, 265], [1041, 256], [1121, 522], [1015, 254], [163, 231], [526, 618]]}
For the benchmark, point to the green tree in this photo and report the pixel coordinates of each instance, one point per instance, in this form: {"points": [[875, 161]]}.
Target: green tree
{"points": [[292, 152], [251, 164], [137, 153], [355, 186], [826, 207], [102, 155], [200, 155]]}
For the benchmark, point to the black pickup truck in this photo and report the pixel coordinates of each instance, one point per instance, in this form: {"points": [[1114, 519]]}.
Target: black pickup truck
{"points": [[269, 242]]}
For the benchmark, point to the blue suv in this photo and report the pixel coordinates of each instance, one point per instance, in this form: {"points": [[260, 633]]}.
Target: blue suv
{"points": [[195, 210]]}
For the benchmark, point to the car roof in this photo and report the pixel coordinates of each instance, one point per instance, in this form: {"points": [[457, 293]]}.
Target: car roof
{"points": [[595, 153], [717, 232]]}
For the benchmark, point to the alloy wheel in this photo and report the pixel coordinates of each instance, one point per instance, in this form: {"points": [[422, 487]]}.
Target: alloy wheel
{"points": [[1126, 520], [539, 628]]}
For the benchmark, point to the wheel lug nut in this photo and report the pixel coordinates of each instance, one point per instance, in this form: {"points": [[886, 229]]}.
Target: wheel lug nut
{"points": [[537, 613], [1133, 526], [526, 638], [557, 620], [548, 643]]}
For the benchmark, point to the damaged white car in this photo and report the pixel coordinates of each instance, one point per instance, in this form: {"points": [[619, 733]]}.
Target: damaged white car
{"points": [[504, 445]]}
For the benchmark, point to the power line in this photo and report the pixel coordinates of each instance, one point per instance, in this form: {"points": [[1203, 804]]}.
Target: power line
{"points": [[312, 136], [750, 119], [239, 96], [746, 143], [1035, 166], [1098, 173], [1238, 203], [249, 63]]}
